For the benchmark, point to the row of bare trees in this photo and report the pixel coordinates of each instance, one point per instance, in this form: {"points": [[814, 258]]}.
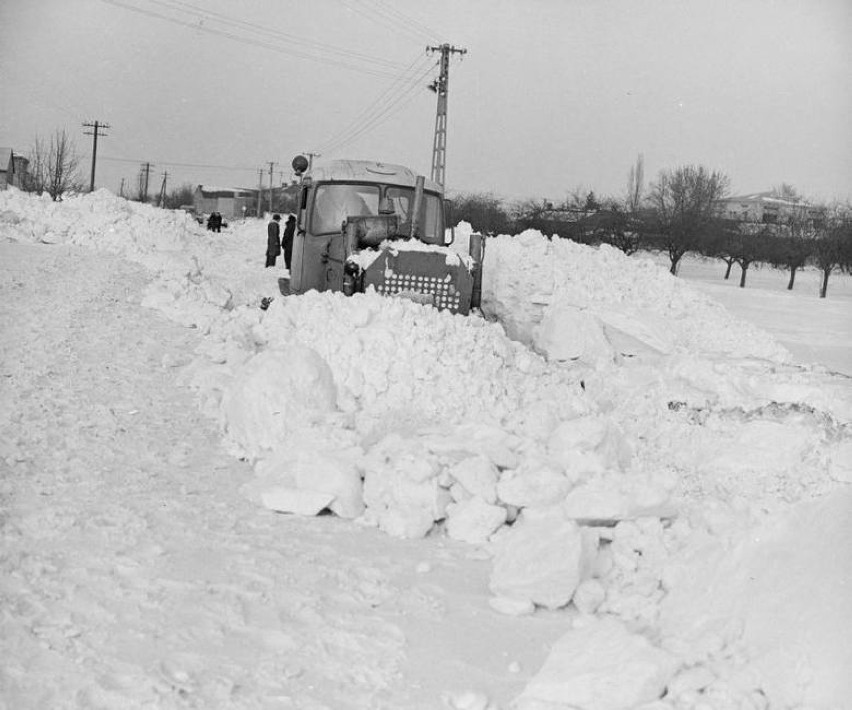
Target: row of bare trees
{"points": [[54, 169], [679, 215]]}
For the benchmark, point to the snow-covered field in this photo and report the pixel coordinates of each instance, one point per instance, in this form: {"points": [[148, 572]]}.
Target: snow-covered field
{"points": [[608, 493]]}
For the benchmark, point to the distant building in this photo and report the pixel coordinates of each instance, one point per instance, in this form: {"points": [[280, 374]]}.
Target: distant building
{"points": [[13, 169], [227, 201], [766, 208]]}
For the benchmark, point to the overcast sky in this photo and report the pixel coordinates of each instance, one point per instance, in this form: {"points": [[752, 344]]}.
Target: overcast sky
{"points": [[552, 95]]}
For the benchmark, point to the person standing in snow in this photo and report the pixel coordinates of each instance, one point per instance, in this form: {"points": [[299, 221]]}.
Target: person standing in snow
{"points": [[273, 240], [287, 240], [214, 222]]}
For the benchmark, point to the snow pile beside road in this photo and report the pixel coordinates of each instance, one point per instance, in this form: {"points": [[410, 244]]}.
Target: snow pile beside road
{"points": [[546, 291], [594, 473]]}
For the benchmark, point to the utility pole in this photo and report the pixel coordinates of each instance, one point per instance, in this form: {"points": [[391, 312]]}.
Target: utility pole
{"points": [[96, 127], [441, 87], [146, 171], [311, 157], [259, 192], [161, 200], [271, 164]]}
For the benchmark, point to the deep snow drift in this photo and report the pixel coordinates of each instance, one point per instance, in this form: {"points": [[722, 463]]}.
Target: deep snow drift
{"points": [[620, 447]]}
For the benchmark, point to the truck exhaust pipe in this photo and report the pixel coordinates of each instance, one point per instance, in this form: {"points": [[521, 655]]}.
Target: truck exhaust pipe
{"points": [[418, 205]]}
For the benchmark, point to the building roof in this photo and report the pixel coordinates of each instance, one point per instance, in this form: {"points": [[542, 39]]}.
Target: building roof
{"points": [[368, 171], [216, 191], [766, 198]]}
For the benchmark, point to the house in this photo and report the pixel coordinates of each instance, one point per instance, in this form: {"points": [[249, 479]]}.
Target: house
{"points": [[766, 208], [13, 169], [232, 203]]}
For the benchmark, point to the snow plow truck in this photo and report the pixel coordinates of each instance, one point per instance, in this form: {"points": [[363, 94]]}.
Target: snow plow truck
{"points": [[363, 224]]}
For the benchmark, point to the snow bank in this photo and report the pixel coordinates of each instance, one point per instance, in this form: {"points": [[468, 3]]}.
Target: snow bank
{"points": [[544, 291], [644, 429]]}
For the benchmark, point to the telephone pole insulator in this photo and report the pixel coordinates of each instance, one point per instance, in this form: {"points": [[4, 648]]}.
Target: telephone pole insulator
{"points": [[441, 87], [97, 130]]}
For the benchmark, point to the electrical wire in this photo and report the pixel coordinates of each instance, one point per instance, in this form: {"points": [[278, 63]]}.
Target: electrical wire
{"points": [[168, 163], [412, 75], [407, 21], [382, 20], [211, 15], [251, 42], [379, 118]]}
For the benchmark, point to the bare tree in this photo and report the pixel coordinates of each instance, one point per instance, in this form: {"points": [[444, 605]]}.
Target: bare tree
{"points": [[54, 167], [744, 243], [785, 191], [180, 196], [794, 243], [833, 243], [616, 225], [684, 206], [36, 178]]}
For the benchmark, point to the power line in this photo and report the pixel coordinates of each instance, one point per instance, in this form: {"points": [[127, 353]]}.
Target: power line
{"points": [[181, 165], [384, 20], [386, 9], [211, 15], [378, 110], [394, 107], [367, 113], [251, 42]]}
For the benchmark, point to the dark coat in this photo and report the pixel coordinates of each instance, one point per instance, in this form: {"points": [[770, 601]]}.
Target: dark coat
{"points": [[287, 240], [273, 243]]}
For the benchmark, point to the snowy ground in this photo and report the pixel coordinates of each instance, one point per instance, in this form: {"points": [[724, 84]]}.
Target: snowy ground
{"points": [[636, 501]]}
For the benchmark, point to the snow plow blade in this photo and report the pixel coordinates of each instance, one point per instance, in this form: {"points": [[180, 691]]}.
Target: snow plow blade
{"points": [[422, 276]]}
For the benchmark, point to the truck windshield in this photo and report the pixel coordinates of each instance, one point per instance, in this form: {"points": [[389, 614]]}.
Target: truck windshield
{"points": [[402, 199], [335, 202]]}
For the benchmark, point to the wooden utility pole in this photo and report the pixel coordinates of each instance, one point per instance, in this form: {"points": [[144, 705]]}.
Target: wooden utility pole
{"points": [[271, 164], [97, 128], [144, 173], [311, 157], [441, 87], [259, 192], [161, 201]]}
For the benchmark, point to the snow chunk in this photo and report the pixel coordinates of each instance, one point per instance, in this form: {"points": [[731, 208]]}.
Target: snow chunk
{"points": [[600, 666], [275, 393], [569, 333], [542, 558], [401, 487], [478, 476], [535, 483], [292, 500], [474, 520]]}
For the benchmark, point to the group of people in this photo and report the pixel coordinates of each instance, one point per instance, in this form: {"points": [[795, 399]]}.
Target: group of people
{"points": [[214, 222], [277, 242]]}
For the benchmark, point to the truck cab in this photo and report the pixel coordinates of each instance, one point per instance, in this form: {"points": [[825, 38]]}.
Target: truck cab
{"points": [[365, 226], [344, 189]]}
